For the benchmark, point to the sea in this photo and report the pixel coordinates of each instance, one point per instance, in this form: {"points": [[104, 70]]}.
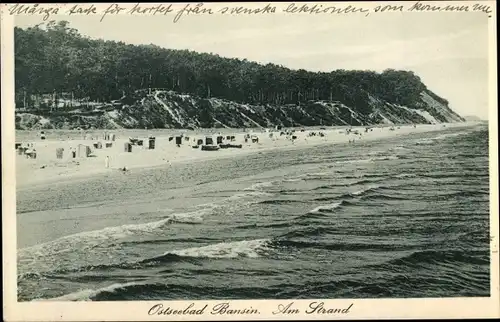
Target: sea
{"points": [[406, 217]]}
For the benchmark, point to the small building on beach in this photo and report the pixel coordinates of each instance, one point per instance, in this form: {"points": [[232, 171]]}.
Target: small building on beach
{"points": [[83, 151], [59, 153], [127, 147]]}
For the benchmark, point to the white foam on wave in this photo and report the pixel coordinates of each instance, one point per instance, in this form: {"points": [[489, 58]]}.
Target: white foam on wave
{"points": [[293, 180], [336, 205], [95, 246], [362, 191], [424, 142], [384, 158], [450, 135], [317, 174], [93, 238], [375, 153], [244, 195], [259, 185], [87, 294], [429, 141], [310, 174], [245, 248], [197, 219], [374, 159], [332, 206]]}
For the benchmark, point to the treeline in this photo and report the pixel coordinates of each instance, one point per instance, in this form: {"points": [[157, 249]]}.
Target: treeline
{"points": [[56, 59]]}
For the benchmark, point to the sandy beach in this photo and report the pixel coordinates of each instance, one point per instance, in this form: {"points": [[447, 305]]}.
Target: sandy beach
{"points": [[46, 168]]}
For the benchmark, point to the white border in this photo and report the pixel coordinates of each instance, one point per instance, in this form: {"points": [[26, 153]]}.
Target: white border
{"points": [[138, 310]]}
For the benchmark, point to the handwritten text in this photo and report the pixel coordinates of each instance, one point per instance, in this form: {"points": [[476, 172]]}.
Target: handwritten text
{"points": [[179, 12]]}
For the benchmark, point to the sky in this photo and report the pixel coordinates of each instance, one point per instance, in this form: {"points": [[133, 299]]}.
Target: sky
{"points": [[449, 51]]}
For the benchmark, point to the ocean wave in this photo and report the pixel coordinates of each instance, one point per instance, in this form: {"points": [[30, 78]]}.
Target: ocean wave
{"points": [[237, 194], [405, 175], [455, 174], [106, 245], [462, 156], [440, 257], [363, 191], [245, 248], [279, 201], [252, 193], [362, 181], [450, 135], [382, 196], [331, 186], [308, 231], [293, 180], [89, 294], [428, 141], [88, 251], [95, 237], [329, 198], [458, 195], [425, 261], [328, 208], [102, 249], [366, 176], [369, 160], [410, 158], [424, 142], [341, 246], [310, 215], [170, 258], [355, 194], [316, 175], [309, 176], [258, 186], [377, 153], [257, 226], [399, 148], [390, 157], [157, 241], [157, 290], [29, 276]]}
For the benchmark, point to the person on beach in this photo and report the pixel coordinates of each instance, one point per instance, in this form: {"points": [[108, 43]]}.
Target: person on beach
{"points": [[106, 162], [28, 151]]}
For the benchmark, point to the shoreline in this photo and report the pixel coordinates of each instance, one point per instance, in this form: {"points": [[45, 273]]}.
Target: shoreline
{"points": [[47, 170]]}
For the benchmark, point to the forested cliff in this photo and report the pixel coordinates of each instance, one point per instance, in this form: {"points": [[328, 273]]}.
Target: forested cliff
{"points": [[66, 80]]}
